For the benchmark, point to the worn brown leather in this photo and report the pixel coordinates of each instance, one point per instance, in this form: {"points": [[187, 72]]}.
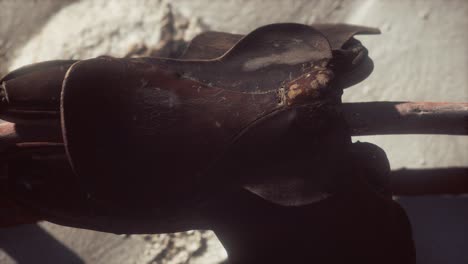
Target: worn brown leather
{"points": [[171, 134], [175, 120], [33, 91], [350, 63]]}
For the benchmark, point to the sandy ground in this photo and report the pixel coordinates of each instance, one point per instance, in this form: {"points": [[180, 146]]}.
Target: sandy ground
{"points": [[420, 56]]}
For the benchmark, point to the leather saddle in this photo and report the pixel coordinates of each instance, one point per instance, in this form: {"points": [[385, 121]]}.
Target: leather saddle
{"points": [[158, 138]]}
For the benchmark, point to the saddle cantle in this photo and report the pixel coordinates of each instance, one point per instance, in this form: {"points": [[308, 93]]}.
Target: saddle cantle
{"points": [[350, 61]]}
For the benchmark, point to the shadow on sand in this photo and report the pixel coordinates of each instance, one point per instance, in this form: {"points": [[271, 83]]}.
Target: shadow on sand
{"points": [[32, 244]]}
